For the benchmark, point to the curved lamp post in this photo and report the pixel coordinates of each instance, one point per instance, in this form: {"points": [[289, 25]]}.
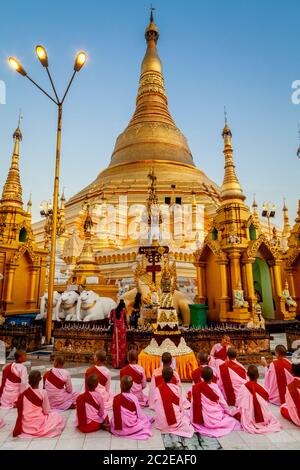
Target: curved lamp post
{"points": [[80, 61]]}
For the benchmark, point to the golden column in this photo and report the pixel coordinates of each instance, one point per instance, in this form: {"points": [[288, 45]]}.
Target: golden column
{"points": [[224, 299], [248, 265], [290, 279], [9, 275], [235, 269], [34, 272], [201, 287]]}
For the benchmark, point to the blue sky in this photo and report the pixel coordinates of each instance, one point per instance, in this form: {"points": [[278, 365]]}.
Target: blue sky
{"points": [[237, 53]]}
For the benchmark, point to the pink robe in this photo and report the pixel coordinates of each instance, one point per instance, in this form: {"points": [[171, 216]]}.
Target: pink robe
{"points": [[137, 389], [104, 390], [40, 422], [245, 406], [271, 384], [216, 416], [61, 399], [12, 390], [182, 427], [135, 424], [92, 414], [290, 406], [152, 388], [236, 381], [213, 361]]}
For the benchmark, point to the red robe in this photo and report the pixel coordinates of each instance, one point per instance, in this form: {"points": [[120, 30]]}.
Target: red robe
{"points": [[280, 366], [133, 373], [94, 370], [121, 401], [53, 379], [254, 388], [168, 399], [226, 379], [197, 390], [8, 374], [83, 424], [33, 398]]}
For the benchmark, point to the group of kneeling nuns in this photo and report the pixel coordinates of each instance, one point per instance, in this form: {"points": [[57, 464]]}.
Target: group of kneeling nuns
{"points": [[224, 397]]}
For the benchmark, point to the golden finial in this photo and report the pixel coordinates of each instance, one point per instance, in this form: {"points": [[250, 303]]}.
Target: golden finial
{"points": [[298, 212], [286, 221], [151, 32], [12, 190], [29, 205], [231, 188]]}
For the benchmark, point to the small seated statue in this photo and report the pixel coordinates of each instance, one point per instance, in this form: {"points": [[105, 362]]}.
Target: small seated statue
{"points": [[238, 298], [289, 301], [257, 320]]}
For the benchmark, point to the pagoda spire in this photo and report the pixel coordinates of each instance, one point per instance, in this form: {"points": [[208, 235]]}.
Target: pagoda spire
{"points": [[151, 133], [231, 188], [12, 190], [286, 225], [254, 209]]}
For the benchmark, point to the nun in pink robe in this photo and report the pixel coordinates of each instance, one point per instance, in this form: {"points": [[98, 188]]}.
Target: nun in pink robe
{"points": [[157, 373], [170, 413], [138, 376], [275, 383], [216, 420], [36, 419], [128, 418], [252, 404], [232, 375], [291, 408], [12, 388], [58, 384], [218, 355], [103, 387], [93, 414]]}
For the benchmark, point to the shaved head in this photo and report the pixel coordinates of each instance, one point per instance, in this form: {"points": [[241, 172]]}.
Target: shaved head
{"points": [[126, 383], [253, 373], [207, 374], [202, 358], [166, 359], [167, 374], [100, 356], [59, 361], [132, 355], [20, 356], [92, 382], [231, 353]]}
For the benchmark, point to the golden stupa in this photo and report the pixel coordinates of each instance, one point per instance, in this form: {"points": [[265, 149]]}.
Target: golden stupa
{"points": [[150, 143]]}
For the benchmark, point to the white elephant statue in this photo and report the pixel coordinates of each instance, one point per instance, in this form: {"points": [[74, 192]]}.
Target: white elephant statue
{"points": [[44, 306], [91, 307], [68, 307]]}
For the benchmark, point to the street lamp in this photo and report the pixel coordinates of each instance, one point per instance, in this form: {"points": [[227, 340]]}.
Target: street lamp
{"points": [[80, 61], [268, 211]]}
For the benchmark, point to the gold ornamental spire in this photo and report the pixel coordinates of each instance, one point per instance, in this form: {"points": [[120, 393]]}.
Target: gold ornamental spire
{"points": [[12, 190], [231, 188], [151, 134], [286, 225], [298, 213]]}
